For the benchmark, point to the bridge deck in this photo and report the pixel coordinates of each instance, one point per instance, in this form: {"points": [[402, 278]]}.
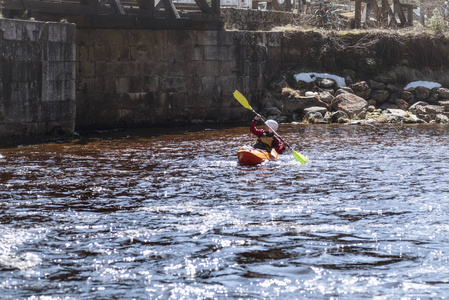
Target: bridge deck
{"points": [[152, 14]]}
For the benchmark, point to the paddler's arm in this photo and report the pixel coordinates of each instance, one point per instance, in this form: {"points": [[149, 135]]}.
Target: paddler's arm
{"points": [[253, 129], [279, 147]]}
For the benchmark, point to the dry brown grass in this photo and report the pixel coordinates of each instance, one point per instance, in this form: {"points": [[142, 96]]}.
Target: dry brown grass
{"points": [[289, 93]]}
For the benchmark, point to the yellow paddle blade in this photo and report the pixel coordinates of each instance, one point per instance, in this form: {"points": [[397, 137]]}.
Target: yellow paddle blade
{"points": [[240, 98], [299, 157]]}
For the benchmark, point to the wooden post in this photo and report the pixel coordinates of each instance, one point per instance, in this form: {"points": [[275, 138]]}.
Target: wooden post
{"points": [[376, 10], [358, 13], [170, 9], [118, 8], [255, 5], [216, 9], [202, 4], [384, 13], [147, 5], [390, 13], [287, 5], [398, 10], [410, 15]]}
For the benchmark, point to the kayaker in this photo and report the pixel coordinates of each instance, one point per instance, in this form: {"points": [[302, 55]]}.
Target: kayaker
{"points": [[266, 140]]}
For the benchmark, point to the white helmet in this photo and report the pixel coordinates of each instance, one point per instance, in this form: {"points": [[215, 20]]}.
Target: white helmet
{"points": [[273, 124]]}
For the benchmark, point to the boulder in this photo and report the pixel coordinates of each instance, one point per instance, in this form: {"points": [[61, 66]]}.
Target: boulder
{"points": [[397, 112], [371, 102], [380, 96], [387, 105], [326, 97], [401, 116], [433, 99], [445, 104], [393, 89], [412, 100], [425, 118], [443, 119], [422, 93], [306, 85], [406, 95], [376, 85], [314, 117], [362, 114], [360, 86], [348, 73], [295, 105], [348, 80], [279, 119], [402, 104], [390, 77], [330, 91], [443, 93], [342, 90], [418, 108], [393, 97], [315, 109], [361, 89], [434, 109], [351, 104], [364, 94], [371, 108], [273, 111], [339, 117], [325, 83]]}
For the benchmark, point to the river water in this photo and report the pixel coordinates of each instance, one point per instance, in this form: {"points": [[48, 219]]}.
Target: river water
{"points": [[170, 214]]}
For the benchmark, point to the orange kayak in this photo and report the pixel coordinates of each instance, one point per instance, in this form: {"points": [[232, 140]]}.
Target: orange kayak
{"points": [[250, 156]]}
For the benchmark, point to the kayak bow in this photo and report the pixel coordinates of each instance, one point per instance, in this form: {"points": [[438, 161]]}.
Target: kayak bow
{"points": [[250, 156]]}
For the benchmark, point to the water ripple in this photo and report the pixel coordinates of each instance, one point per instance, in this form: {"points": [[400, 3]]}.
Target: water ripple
{"points": [[173, 215]]}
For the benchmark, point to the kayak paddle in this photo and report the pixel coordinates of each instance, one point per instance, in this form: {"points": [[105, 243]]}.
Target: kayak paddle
{"points": [[242, 100]]}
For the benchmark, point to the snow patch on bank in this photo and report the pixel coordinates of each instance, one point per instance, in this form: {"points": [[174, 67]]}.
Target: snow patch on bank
{"points": [[340, 81], [309, 77], [427, 84]]}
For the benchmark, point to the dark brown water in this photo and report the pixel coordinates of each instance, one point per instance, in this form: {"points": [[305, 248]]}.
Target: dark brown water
{"points": [[151, 214]]}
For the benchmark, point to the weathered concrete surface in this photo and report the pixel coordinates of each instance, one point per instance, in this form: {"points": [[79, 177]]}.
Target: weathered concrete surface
{"points": [[37, 82]]}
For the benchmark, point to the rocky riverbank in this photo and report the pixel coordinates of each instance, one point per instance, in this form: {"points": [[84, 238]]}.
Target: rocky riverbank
{"points": [[378, 100]]}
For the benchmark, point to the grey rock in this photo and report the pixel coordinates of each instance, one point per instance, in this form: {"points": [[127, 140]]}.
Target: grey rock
{"points": [[351, 104]]}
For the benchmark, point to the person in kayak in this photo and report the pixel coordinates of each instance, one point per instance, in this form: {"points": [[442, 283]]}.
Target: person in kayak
{"points": [[266, 140]]}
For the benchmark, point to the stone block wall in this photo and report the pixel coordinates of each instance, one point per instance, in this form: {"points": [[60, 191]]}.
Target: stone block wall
{"points": [[37, 82], [132, 77], [252, 19]]}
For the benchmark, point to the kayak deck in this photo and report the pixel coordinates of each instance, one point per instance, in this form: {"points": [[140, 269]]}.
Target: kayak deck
{"points": [[250, 156]]}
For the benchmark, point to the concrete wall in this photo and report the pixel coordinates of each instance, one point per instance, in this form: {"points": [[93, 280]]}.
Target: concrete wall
{"points": [[37, 82], [138, 77]]}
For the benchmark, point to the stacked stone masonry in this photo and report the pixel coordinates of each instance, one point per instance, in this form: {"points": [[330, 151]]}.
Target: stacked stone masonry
{"points": [[37, 83], [140, 77], [250, 19]]}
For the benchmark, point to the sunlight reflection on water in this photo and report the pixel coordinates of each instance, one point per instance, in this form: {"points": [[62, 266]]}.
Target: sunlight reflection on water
{"points": [[120, 216]]}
